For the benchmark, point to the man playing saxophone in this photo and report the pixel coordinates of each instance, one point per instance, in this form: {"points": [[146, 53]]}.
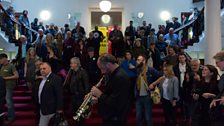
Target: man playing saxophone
{"points": [[79, 86], [115, 101]]}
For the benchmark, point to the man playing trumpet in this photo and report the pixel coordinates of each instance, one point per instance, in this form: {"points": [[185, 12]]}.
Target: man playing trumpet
{"points": [[115, 101]]}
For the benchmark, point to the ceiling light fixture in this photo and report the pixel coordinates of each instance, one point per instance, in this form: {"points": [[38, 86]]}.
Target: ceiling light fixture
{"points": [[105, 5], [105, 18], [45, 15], [165, 15]]}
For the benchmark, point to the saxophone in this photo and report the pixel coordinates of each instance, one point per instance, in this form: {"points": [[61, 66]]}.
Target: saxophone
{"points": [[84, 107]]}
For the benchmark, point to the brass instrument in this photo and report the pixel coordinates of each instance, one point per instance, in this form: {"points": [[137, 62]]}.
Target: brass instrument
{"points": [[84, 107]]}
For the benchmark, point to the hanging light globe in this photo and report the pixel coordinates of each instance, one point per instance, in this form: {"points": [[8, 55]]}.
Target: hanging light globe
{"points": [[105, 5], [105, 18]]}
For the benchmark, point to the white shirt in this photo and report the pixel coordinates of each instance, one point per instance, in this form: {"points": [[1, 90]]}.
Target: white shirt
{"points": [[182, 68], [165, 85], [42, 83], [143, 91]]}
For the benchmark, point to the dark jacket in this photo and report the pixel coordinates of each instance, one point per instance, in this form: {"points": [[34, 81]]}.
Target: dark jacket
{"points": [[92, 69], [114, 103], [157, 61], [177, 74], [190, 86], [131, 72], [176, 70], [51, 95], [79, 82]]}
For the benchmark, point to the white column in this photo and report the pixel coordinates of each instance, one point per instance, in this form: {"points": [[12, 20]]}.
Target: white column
{"points": [[212, 30]]}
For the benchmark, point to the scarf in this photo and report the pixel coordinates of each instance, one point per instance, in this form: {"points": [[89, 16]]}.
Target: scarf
{"points": [[139, 79]]}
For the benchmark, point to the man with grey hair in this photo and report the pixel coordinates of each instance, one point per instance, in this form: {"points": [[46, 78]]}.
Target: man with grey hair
{"points": [[161, 45], [21, 55], [40, 44], [190, 92], [22, 47], [171, 38], [79, 86]]}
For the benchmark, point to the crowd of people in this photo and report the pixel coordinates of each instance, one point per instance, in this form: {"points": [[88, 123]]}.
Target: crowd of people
{"points": [[141, 59]]}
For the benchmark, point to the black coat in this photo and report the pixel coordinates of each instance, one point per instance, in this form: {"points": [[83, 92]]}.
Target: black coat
{"points": [[79, 82], [177, 74], [176, 70], [114, 103], [51, 95]]}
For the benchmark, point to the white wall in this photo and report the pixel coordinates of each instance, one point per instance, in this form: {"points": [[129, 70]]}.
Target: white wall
{"points": [[60, 9]]}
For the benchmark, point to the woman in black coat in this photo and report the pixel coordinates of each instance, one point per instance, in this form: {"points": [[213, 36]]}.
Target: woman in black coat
{"points": [[207, 89]]}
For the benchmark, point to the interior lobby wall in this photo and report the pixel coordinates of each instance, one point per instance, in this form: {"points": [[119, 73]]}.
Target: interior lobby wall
{"points": [[80, 8]]}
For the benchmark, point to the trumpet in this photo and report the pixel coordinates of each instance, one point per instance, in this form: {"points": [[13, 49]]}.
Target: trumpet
{"points": [[85, 106]]}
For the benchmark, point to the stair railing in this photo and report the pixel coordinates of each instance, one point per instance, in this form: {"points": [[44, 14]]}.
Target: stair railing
{"points": [[191, 31], [17, 25]]}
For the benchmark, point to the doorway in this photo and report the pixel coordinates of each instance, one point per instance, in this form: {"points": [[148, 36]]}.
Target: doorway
{"points": [[108, 19]]}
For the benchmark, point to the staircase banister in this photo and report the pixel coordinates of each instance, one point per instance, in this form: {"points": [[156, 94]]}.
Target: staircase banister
{"points": [[189, 23], [15, 20]]}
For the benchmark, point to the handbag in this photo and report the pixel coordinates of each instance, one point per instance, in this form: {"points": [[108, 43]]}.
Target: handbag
{"points": [[155, 95], [58, 120]]}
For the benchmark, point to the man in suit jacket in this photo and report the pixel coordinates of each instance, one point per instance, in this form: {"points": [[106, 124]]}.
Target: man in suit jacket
{"points": [[180, 71], [2, 98], [49, 94]]}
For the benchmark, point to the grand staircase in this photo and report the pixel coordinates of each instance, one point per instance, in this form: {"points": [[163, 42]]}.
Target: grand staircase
{"points": [[25, 112]]}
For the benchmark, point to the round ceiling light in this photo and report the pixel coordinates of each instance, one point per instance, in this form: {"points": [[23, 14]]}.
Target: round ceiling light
{"points": [[45, 15], [165, 15], [105, 5], [105, 18]]}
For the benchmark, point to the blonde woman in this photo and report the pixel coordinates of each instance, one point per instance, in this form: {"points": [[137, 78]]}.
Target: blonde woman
{"points": [[29, 68], [49, 39], [59, 39], [169, 89]]}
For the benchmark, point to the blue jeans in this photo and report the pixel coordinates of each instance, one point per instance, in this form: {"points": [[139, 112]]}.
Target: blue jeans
{"points": [[10, 104], [144, 106]]}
